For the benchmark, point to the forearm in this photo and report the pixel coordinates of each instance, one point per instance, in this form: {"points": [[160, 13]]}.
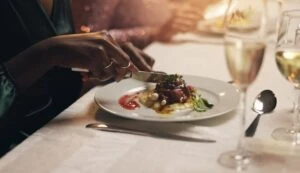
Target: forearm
{"points": [[29, 66], [139, 36]]}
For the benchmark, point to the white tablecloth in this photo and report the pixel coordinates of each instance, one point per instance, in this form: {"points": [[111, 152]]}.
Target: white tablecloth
{"points": [[66, 146]]}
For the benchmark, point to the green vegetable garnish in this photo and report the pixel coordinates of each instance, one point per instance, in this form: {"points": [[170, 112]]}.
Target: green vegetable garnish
{"points": [[172, 78], [200, 104]]}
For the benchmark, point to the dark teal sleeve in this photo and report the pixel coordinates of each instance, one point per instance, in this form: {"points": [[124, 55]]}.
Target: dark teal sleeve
{"points": [[7, 91]]}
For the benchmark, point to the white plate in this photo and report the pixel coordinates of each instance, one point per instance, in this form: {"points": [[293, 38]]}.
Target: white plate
{"points": [[224, 96]]}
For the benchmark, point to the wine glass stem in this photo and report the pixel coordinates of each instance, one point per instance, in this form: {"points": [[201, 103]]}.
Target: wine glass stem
{"points": [[241, 140], [296, 116]]}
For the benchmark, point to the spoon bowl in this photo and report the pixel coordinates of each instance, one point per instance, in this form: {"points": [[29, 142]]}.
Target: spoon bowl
{"points": [[265, 102]]}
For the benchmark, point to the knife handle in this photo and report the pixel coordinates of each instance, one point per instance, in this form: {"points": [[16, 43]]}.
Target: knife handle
{"points": [[127, 131], [252, 127]]}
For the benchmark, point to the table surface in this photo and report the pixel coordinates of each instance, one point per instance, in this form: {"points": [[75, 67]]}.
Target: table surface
{"points": [[65, 145]]}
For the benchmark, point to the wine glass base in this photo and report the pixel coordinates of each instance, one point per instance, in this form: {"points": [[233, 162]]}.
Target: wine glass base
{"points": [[287, 135], [235, 160]]}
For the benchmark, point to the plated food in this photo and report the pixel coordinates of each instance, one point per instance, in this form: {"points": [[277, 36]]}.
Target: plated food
{"points": [[170, 95], [223, 96]]}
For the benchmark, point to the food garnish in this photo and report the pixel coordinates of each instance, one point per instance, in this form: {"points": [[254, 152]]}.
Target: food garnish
{"points": [[172, 94]]}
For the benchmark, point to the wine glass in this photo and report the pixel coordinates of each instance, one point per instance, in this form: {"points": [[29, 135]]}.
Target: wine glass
{"points": [[288, 63], [245, 35]]}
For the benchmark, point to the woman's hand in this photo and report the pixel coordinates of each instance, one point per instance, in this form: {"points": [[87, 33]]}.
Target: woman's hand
{"points": [[184, 18], [96, 52], [142, 61], [99, 53]]}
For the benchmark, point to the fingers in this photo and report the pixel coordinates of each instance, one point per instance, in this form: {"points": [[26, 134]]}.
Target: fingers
{"points": [[102, 66], [97, 52], [181, 28], [189, 12], [119, 57], [108, 66], [123, 71], [113, 68], [183, 25], [110, 38], [185, 18], [121, 62], [147, 58], [137, 58], [116, 62], [112, 49]]}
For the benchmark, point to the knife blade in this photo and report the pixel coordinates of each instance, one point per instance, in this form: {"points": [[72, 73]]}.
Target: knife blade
{"points": [[145, 76], [115, 128]]}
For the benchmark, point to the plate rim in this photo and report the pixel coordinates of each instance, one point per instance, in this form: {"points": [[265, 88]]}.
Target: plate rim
{"points": [[161, 119]]}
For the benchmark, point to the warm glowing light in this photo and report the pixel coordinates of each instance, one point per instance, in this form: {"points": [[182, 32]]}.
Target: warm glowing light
{"points": [[222, 94], [85, 28], [289, 55], [259, 106]]}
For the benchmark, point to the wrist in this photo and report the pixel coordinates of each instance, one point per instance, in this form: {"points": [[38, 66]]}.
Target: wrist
{"points": [[47, 51], [29, 65]]}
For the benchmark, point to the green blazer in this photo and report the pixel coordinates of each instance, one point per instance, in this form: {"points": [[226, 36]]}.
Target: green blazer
{"points": [[24, 23], [7, 91]]}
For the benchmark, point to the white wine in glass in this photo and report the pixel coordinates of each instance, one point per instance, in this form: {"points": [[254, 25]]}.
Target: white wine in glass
{"points": [[288, 62], [243, 60], [245, 35]]}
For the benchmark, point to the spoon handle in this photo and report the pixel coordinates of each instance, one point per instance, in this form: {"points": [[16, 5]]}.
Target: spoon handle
{"points": [[252, 127]]}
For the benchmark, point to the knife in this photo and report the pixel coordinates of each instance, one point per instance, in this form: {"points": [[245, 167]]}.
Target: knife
{"points": [[145, 76], [115, 128]]}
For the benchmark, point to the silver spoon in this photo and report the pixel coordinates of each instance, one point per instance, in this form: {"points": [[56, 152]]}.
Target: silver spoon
{"points": [[265, 102]]}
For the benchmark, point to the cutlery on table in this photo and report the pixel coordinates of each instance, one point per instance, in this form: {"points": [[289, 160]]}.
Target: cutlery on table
{"points": [[119, 129], [265, 102]]}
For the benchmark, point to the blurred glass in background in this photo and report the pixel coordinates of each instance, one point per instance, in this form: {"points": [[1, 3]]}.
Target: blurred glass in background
{"points": [[214, 15]]}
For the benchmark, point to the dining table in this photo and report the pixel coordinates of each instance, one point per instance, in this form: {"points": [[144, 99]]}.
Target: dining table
{"points": [[65, 145]]}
